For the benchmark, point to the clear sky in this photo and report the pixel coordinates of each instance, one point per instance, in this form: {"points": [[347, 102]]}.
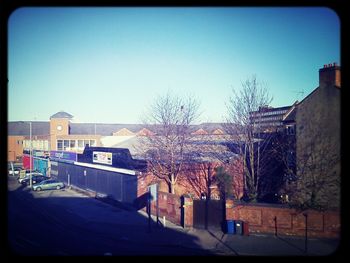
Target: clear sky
{"points": [[106, 65]]}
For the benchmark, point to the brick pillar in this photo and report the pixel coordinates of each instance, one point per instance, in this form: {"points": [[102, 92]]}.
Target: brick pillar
{"points": [[229, 209], [187, 209]]}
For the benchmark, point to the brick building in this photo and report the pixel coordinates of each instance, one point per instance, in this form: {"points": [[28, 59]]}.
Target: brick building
{"points": [[318, 142], [63, 134]]}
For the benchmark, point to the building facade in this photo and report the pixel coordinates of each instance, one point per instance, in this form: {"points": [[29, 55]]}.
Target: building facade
{"points": [[61, 133], [269, 119], [318, 142]]}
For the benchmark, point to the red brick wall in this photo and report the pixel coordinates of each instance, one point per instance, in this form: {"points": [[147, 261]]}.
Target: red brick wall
{"points": [[169, 206], [14, 147], [193, 180], [261, 219]]}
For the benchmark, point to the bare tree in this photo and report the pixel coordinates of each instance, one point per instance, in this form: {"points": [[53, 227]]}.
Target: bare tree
{"points": [[166, 151], [206, 153], [198, 178], [244, 129], [317, 182], [283, 152]]}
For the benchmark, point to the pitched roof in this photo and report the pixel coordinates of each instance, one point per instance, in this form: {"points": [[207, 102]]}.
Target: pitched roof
{"points": [[199, 132], [22, 128], [290, 115], [209, 127], [101, 128], [218, 132], [61, 115], [145, 132], [123, 132]]}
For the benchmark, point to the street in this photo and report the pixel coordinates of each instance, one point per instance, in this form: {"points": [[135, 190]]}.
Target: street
{"points": [[64, 222]]}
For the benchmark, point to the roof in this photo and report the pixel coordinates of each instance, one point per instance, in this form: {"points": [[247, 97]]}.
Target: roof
{"points": [[61, 115], [204, 148], [209, 127], [123, 132], [133, 143], [271, 109], [290, 116], [315, 90], [22, 128], [102, 128]]}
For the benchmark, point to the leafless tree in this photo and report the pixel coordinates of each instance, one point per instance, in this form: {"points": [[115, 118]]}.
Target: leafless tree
{"points": [[244, 129], [197, 179], [317, 182], [207, 154], [283, 152], [166, 151]]}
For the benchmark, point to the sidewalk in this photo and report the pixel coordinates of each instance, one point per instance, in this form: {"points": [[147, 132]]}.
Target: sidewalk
{"points": [[219, 243], [214, 241], [270, 245]]}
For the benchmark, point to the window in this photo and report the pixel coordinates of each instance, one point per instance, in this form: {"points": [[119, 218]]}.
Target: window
{"points": [[290, 130], [86, 143], [80, 143], [92, 143], [46, 145], [59, 145], [72, 144], [65, 144], [290, 158]]}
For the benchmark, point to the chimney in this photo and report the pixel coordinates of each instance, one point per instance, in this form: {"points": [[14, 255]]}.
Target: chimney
{"points": [[330, 75]]}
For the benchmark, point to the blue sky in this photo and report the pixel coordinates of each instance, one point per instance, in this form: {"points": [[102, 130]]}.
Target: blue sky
{"points": [[107, 65]]}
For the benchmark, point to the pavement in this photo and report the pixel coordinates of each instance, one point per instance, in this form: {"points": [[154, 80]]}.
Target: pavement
{"points": [[135, 229], [216, 242], [219, 243]]}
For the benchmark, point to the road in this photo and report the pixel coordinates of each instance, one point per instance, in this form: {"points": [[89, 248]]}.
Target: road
{"points": [[64, 222]]}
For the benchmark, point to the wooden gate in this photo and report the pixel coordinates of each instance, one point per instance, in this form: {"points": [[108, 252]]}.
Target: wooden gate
{"points": [[209, 214]]}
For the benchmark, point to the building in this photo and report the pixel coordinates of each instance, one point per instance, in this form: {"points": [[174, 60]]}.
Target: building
{"points": [[65, 136], [269, 119], [61, 133], [318, 142], [274, 149]]}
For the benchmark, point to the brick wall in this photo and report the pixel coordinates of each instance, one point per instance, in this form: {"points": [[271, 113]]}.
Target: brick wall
{"points": [[265, 218], [14, 147], [262, 218], [193, 180], [169, 206]]}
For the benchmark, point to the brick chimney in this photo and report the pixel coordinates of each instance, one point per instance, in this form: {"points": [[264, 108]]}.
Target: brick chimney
{"points": [[329, 75]]}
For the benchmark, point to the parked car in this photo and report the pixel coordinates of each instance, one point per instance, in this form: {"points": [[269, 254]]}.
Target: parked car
{"points": [[27, 176], [14, 172], [23, 173], [48, 184], [35, 179]]}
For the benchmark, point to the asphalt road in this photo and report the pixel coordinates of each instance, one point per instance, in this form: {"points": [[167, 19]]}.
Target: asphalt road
{"points": [[63, 222]]}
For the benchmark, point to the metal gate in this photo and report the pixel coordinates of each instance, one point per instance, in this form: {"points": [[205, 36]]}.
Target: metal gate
{"points": [[208, 214]]}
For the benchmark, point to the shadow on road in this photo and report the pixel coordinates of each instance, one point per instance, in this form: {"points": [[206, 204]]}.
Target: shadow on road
{"points": [[57, 223], [221, 242], [292, 245]]}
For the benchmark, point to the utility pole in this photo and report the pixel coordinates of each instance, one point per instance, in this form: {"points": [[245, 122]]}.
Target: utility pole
{"points": [[30, 155]]}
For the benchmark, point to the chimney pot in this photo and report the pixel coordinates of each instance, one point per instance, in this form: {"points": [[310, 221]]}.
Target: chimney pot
{"points": [[330, 75]]}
